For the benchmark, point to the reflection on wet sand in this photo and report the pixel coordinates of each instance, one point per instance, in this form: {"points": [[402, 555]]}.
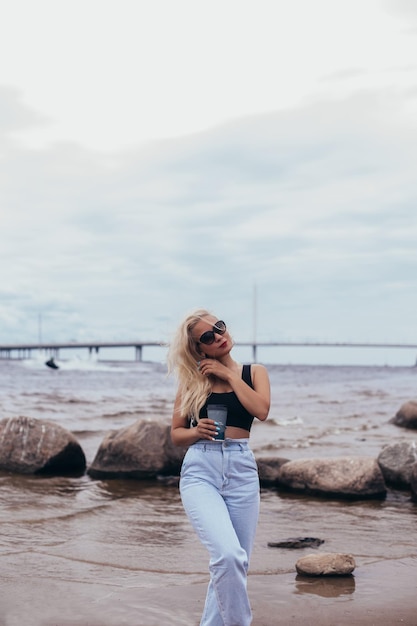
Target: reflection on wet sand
{"points": [[326, 587]]}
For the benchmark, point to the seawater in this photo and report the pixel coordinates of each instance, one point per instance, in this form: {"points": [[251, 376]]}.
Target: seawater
{"points": [[74, 533]]}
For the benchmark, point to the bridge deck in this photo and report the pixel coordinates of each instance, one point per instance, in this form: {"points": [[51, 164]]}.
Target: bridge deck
{"points": [[7, 351]]}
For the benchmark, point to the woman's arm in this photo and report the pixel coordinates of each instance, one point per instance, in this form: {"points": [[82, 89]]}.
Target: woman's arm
{"points": [[182, 434], [256, 401]]}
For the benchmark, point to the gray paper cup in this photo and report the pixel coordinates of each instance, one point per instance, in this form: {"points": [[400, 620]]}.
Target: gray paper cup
{"points": [[218, 413]]}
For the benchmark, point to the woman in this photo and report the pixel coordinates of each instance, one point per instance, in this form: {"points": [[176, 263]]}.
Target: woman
{"points": [[219, 482]]}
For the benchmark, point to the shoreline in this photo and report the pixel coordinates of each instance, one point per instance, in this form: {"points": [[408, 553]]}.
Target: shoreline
{"points": [[379, 593]]}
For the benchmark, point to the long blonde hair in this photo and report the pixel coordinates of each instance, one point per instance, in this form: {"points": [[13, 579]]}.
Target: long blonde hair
{"points": [[183, 357]]}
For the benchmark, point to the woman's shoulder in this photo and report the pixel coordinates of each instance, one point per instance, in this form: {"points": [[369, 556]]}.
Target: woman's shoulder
{"points": [[257, 367], [258, 372], [252, 372]]}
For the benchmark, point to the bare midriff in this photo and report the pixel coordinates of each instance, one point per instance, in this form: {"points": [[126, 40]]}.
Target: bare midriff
{"points": [[233, 432]]}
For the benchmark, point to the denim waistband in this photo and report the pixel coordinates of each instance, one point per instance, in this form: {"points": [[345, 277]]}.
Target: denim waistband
{"points": [[231, 444]]}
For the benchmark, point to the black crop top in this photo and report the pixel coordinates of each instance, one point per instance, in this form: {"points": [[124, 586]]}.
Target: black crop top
{"points": [[237, 415]]}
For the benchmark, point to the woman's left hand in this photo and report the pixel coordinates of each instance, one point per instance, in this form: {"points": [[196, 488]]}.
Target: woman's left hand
{"points": [[213, 367]]}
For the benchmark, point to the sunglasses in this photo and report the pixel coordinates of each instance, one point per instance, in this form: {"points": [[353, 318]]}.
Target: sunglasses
{"points": [[208, 337]]}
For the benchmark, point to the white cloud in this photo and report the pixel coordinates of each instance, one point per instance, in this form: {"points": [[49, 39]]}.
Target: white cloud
{"points": [[307, 206]]}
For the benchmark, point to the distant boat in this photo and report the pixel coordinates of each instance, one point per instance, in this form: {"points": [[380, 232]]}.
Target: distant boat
{"points": [[51, 363]]}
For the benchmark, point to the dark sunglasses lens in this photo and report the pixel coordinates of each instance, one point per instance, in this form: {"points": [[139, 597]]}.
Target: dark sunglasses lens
{"points": [[219, 327], [207, 337]]}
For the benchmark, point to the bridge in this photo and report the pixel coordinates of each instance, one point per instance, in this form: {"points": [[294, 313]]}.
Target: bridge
{"points": [[24, 351]]}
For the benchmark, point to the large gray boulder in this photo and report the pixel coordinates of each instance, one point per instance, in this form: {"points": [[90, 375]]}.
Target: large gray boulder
{"points": [[396, 462], [268, 469], [349, 477], [36, 446], [142, 450], [413, 482], [406, 416]]}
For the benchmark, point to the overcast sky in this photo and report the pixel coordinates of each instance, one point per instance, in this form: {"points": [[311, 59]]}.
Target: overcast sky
{"points": [[161, 156]]}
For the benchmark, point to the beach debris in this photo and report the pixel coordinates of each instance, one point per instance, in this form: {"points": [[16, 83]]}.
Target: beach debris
{"points": [[141, 450], [326, 564], [297, 543], [396, 461], [406, 416], [345, 477], [36, 446]]}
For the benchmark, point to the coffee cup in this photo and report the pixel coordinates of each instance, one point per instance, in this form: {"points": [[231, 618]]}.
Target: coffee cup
{"points": [[218, 413]]}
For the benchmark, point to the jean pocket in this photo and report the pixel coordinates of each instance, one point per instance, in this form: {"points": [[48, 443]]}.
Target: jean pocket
{"points": [[249, 461]]}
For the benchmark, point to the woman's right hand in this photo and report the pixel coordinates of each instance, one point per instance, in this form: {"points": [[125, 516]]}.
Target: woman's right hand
{"points": [[182, 434], [206, 428]]}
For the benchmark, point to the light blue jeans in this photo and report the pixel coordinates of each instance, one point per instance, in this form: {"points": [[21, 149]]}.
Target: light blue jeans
{"points": [[219, 488]]}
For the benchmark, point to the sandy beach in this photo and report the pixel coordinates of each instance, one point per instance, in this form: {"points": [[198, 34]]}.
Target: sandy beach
{"points": [[365, 599]]}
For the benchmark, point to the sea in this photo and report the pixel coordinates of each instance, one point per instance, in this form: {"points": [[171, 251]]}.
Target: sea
{"points": [[70, 545]]}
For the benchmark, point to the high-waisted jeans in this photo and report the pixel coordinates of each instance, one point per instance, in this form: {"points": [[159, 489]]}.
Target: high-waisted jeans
{"points": [[220, 492]]}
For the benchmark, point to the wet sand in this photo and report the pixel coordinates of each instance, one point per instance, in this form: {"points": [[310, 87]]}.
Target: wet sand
{"points": [[381, 594]]}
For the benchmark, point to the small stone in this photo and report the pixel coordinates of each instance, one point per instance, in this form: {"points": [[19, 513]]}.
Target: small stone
{"points": [[406, 416], [326, 564]]}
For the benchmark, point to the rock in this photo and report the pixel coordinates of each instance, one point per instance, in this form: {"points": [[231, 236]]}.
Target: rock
{"points": [[349, 477], [406, 416], [326, 564], [142, 450], [297, 542], [35, 446], [268, 468], [396, 462], [413, 482]]}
